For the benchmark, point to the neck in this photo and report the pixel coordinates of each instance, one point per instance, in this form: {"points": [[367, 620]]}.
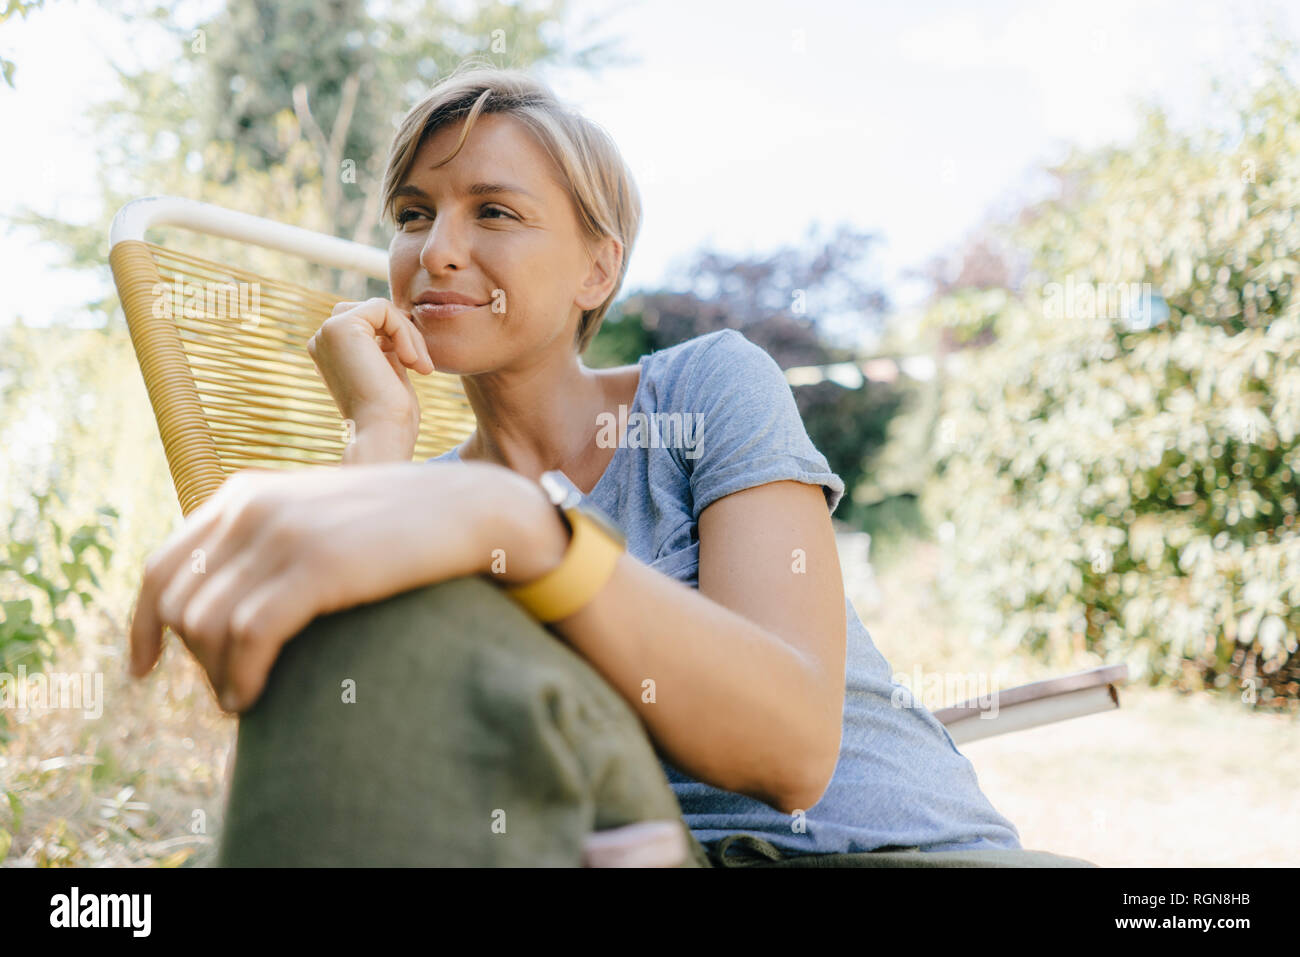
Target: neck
{"points": [[535, 419]]}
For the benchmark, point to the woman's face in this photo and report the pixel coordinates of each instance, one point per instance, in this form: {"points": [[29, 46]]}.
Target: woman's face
{"points": [[494, 225]]}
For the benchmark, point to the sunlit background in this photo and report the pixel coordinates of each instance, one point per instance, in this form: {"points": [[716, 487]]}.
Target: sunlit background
{"points": [[1028, 266]]}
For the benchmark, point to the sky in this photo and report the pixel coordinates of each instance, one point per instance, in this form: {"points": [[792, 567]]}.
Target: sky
{"points": [[746, 122]]}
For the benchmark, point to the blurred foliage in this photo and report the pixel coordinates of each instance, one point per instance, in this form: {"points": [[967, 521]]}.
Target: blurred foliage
{"points": [[286, 110], [11, 8], [58, 569], [777, 301], [1125, 481], [75, 420], [894, 524], [39, 553]]}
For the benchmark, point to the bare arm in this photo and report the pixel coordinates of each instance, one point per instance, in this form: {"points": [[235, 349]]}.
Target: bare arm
{"points": [[748, 671]]}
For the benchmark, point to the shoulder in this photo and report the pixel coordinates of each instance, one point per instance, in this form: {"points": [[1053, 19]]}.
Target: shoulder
{"points": [[716, 362], [747, 427], [723, 341]]}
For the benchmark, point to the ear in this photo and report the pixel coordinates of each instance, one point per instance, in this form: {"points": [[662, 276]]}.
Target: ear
{"points": [[606, 261]]}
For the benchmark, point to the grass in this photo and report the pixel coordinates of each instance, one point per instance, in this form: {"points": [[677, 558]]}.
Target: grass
{"points": [[139, 786], [1168, 779]]}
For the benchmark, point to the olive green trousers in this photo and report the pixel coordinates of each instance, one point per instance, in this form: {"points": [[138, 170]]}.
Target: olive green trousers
{"points": [[445, 727]]}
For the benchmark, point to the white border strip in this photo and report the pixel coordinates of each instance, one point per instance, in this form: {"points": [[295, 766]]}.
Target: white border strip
{"points": [[139, 215]]}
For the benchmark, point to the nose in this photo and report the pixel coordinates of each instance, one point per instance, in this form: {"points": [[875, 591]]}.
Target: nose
{"points": [[444, 247]]}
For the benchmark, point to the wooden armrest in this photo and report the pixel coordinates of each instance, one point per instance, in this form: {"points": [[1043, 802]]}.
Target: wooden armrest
{"points": [[1037, 703]]}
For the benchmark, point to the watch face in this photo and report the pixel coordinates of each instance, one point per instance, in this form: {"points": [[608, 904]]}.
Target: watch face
{"points": [[560, 488], [568, 496]]}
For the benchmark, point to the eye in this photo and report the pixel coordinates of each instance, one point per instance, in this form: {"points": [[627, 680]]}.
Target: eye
{"points": [[488, 211], [407, 214]]}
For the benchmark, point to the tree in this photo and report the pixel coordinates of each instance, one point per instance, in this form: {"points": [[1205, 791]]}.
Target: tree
{"points": [[1119, 462], [11, 8], [286, 108], [775, 300]]}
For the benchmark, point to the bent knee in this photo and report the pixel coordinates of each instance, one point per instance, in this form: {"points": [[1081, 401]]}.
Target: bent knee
{"points": [[458, 643]]}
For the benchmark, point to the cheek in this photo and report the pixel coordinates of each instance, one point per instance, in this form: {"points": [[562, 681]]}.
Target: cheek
{"points": [[403, 260], [512, 270], [525, 267]]}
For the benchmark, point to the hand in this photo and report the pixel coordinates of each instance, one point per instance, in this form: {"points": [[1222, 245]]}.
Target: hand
{"points": [[271, 550], [362, 351]]}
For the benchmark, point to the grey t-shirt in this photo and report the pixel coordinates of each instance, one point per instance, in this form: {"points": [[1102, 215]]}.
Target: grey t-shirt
{"points": [[900, 779]]}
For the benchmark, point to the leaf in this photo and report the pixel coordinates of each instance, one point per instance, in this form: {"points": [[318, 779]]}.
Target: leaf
{"points": [[18, 610], [82, 539], [16, 806], [176, 859]]}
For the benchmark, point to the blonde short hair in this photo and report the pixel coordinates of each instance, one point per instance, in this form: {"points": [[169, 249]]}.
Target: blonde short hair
{"points": [[592, 169]]}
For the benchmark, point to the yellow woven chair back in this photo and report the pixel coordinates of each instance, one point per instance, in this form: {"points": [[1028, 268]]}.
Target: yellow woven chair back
{"points": [[223, 351]]}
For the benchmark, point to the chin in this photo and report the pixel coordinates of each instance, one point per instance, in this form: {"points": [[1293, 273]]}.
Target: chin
{"points": [[455, 356]]}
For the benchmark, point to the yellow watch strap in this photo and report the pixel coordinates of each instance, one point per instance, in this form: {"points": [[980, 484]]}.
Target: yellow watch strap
{"points": [[587, 565]]}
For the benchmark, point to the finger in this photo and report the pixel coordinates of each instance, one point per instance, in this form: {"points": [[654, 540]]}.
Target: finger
{"points": [[398, 365], [401, 370], [170, 561], [206, 617], [411, 347], [390, 350], [399, 362], [386, 319], [210, 555], [261, 625], [388, 322], [161, 567], [418, 336], [422, 361]]}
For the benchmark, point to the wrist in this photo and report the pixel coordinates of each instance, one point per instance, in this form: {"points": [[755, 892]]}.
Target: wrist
{"points": [[379, 444], [527, 537]]}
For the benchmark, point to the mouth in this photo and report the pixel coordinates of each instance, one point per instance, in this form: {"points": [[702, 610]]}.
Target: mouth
{"points": [[444, 310]]}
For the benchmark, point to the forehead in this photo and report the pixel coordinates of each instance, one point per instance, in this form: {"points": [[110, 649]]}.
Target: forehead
{"points": [[498, 148]]}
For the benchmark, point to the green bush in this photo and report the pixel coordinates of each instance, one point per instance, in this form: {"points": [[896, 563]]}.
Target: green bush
{"points": [[1122, 477], [42, 567]]}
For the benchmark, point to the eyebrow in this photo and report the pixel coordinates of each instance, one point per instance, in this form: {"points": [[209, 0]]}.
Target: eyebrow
{"points": [[478, 189]]}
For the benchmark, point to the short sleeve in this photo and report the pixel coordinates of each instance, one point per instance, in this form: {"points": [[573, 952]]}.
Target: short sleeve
{"points": [[749, 429]]}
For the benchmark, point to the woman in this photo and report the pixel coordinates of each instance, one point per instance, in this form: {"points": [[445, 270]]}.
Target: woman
{"points": [[715, 669]]}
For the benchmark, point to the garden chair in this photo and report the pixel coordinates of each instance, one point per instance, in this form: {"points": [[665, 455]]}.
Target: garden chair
{"points": [[223, 352]]}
